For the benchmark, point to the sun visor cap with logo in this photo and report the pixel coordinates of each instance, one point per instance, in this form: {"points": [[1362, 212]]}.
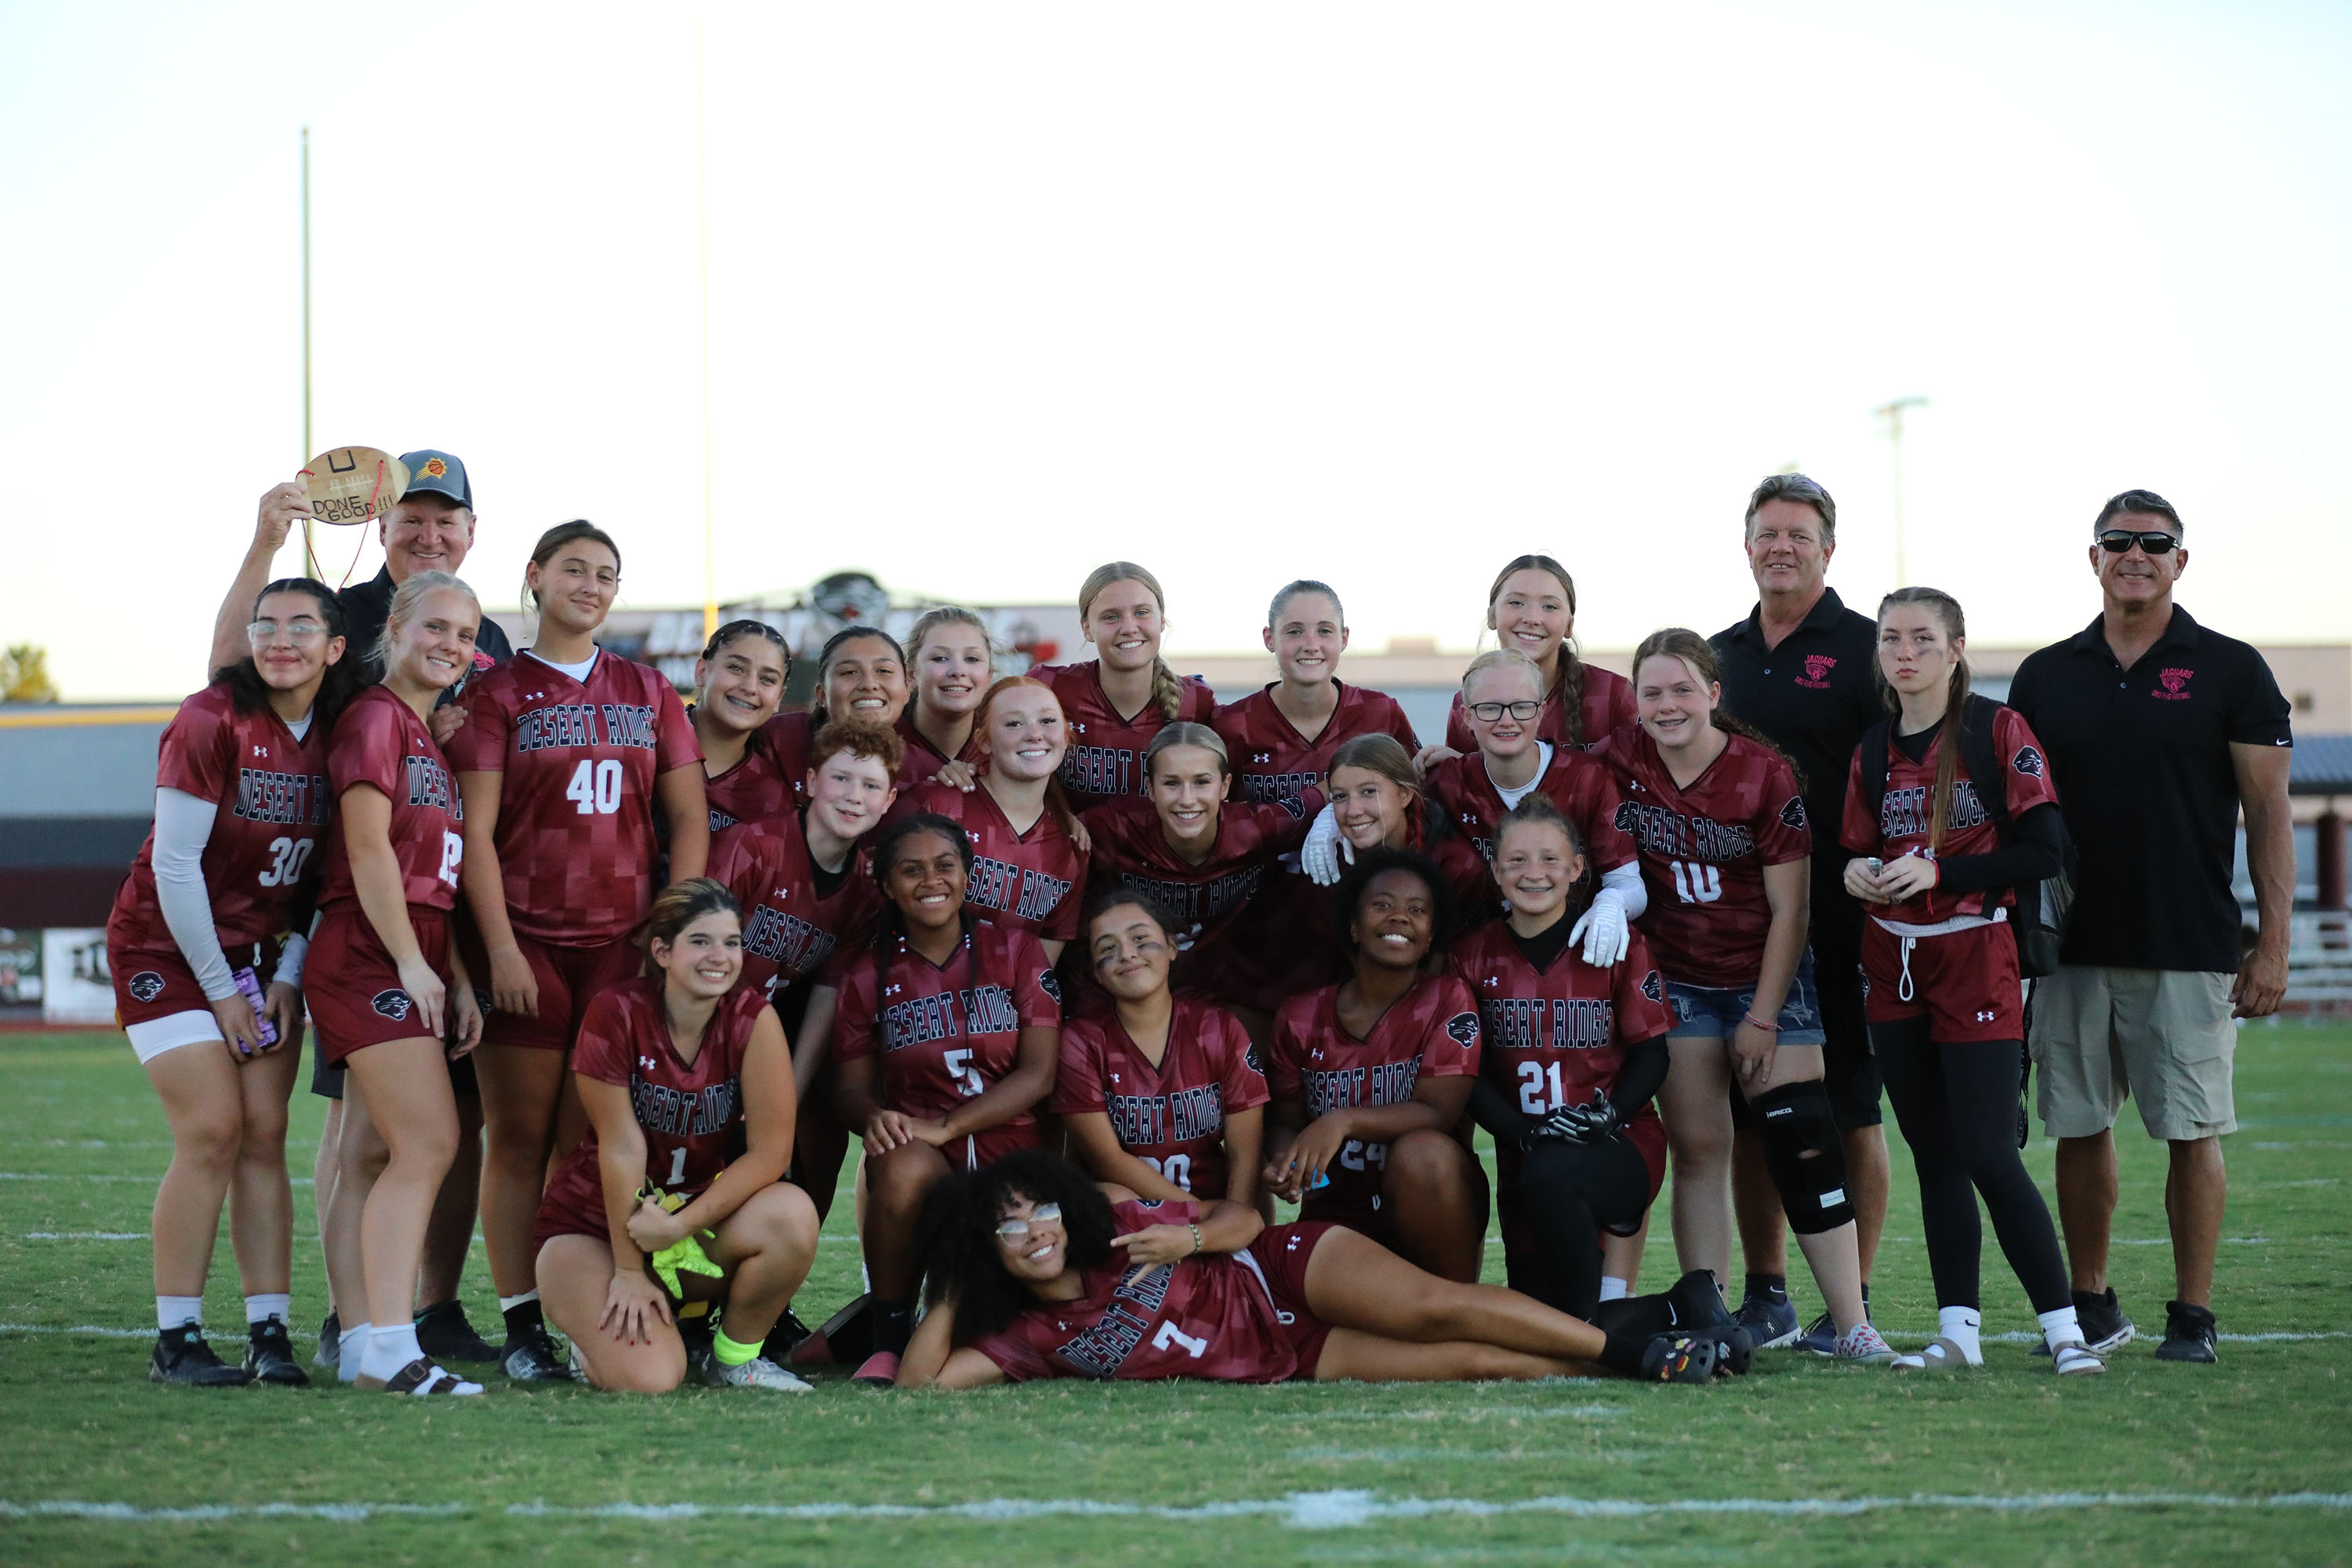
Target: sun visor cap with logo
{"points": [[439, 474]]}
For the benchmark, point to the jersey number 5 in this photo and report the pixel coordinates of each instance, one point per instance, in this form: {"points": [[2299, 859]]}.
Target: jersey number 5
{"points": [[595, 788], [961, 1073]]}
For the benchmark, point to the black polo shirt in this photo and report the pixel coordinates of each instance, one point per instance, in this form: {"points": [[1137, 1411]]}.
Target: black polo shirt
{"points": [[2141, 759], [1814, 695], [367, 606]]}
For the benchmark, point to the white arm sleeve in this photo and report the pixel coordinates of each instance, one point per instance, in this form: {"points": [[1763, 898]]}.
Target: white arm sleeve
{"points": [[183, 826], [1626, 883]]}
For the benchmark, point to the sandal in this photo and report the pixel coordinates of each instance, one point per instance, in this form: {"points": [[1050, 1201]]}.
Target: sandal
{"points": [[1941, 1354], [420, 1377], [2073, 1358]]}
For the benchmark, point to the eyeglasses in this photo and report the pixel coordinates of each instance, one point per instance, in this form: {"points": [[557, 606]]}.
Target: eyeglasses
{"points": [[2115, 541], [1488, 712], [299, 631], [1015, 1229]]}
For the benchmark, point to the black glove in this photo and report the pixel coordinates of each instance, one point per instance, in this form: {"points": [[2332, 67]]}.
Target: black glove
{"points": [[1580, 1124]]}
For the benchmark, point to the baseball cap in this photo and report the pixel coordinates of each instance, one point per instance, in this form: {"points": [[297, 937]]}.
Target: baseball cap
{"points": [[440, 474]]}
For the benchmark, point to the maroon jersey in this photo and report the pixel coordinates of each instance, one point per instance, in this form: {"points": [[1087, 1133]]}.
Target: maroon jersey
{"points": [[923, 761], [790, 737], [1208, 1316], [792, 926], [1703, 851], [1557, 1037], [754, 790], [1105, 760], [379, 741], [274, 804], [1580, 786], [575, 835], [1431, 1029], [1173, 1116], [946, 1033], [684, 1110], [1271, 761], [1608, 705], [1130, 851], [1032, 882], [1902, 826]]}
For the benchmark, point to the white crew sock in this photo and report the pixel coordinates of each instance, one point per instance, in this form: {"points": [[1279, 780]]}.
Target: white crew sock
{"points": [[175, 1312], [1613, 1289], [261, 1309], [508, 1303], [349, 1345], [1960, 1325], [2059, 1327], [390, 1347]]}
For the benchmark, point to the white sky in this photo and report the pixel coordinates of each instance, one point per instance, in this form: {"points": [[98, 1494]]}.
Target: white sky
{"points": [[1381, 294]]}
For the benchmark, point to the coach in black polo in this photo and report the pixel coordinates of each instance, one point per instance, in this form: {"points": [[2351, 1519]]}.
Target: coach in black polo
{"points": [[2158, 731], [1800, 669]]}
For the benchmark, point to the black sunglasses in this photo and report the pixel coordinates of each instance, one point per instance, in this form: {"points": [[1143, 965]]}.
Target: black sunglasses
{"points": [[2115, 541]]}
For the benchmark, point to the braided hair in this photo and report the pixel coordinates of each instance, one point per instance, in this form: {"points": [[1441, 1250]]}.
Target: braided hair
{"points": [[1566, 676], [1167, 690]]}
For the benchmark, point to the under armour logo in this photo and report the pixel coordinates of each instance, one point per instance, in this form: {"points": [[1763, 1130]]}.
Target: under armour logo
{"points": [[1113, 1077], [1986, 1016], [260, 751], [1316, 1054], [1261, 756], [646, 1063]]}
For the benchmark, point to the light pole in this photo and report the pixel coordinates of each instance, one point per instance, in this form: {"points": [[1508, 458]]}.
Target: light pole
{"points": [[1893, 414]]}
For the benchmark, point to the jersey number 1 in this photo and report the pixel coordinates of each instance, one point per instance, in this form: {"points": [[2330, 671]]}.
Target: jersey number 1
{"points": [[595, 788]]}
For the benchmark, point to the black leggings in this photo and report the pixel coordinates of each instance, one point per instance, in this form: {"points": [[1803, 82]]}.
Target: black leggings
{"points": [[1956, 1105], [1567, 1191]]}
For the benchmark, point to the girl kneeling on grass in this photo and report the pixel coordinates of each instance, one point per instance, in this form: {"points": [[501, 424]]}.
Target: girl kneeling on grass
{"points": [[1036, 1272], [668, 1065]]}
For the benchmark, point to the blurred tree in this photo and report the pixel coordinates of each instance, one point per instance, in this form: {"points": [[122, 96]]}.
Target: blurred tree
{"points": [[25, 674]]}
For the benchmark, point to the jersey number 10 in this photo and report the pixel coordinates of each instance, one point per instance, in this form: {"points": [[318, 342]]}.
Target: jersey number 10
{"points": [[595, 788], [1695, 882]]}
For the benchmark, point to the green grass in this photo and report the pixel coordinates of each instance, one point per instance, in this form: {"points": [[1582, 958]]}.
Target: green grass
{"points": [[2274, 1418]]}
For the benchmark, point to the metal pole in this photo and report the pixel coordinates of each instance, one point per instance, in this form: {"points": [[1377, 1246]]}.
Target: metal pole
{"points": [[702, 229], [1893, 414], [309, 554]]}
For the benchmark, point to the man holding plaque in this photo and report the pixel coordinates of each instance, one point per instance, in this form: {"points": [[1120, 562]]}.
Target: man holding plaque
{"points": [[428, 528]]}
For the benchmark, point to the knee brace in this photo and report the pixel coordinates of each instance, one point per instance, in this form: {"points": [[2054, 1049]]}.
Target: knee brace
{"points": [[1806, 1156]]}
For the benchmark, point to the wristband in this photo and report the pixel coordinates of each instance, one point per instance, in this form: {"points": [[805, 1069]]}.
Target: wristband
{"points": [[1753, 1022]]}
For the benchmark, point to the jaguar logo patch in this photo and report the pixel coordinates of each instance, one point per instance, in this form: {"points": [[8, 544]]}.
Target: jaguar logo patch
{"points": [[1464, 1028], [146, 985], [1629, 816], [1793, 814], [393, 1004], [1653, 987], [1051, 984], [2027, 762]]}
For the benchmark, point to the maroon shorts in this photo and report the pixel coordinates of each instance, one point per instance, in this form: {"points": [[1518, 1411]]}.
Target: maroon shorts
{"points": [[569, 977], [1964, 983], [354, 986], [1280, 1254], [985, 1148], [151, 983], [573, 1203]]}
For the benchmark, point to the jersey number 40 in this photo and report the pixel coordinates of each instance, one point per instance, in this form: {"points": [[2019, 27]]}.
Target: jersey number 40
{"points": [[595, 788]]}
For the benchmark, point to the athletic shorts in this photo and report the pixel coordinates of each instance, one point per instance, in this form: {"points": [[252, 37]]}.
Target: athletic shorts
{"points": [[158, 1003], [1964, 983], [1278, 1258], [568, 976], [976, 1150], [1712, 1013], [2162, 1036], [1645, 1133], [354, 986]]}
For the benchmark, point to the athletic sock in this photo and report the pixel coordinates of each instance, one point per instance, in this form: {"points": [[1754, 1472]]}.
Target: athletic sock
{"points": [[893, 1325], [260, 1309], [522, 1315], [351, 1345], [1865, 1301], [1960, 1325], [1639, 1316], [2059, 1326], [1613, 1289], [1621, 1352], [389, 1348], [1773, 1288], [178, 1311], [728, 1353]]}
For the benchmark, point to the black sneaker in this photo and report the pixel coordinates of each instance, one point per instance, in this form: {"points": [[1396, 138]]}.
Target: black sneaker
{"points": [[1820, 1338], [2104, 1326], [443, 1333], [269, 1355], [1678, 1358], [2187, 1334], [329, 1351], [532, 1358], [1770, 1322], [183, 1356], [1698, 1303], [789, 1334]]}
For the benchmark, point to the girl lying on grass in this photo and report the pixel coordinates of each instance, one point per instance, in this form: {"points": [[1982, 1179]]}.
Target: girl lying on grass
{"points": [[1036, 1272]]}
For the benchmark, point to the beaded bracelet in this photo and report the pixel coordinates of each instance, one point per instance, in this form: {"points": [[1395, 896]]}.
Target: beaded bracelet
{"points": [[1198, 1245], [1753, 1022]]}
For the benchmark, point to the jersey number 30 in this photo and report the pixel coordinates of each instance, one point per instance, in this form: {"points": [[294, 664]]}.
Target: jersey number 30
{"points": [[595, 788], [287, 869]]}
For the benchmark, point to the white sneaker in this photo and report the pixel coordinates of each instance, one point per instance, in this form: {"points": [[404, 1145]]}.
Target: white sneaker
{"points": [[761, 1373]]}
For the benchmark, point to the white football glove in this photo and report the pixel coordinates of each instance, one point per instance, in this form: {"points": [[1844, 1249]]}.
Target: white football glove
{"points": [[1602, 928], [1325, 850]]}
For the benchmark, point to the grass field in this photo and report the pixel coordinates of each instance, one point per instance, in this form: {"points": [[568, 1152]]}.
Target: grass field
{"points": [[2249, 1462]]}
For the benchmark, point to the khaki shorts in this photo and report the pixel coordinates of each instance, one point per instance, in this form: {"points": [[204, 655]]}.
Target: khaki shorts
{"points": [[2164, 1037]]}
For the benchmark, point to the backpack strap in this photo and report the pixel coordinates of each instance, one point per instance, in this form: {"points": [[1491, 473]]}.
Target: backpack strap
{"points": [[1976, 755], [1873, 752]]}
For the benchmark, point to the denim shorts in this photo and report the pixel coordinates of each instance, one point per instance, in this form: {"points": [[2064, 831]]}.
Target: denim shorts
{"points": [[1707, 1012]]}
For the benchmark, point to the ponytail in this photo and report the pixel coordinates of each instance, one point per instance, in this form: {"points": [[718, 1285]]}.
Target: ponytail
{"points": [[1167, 690], [1945, 610]]}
